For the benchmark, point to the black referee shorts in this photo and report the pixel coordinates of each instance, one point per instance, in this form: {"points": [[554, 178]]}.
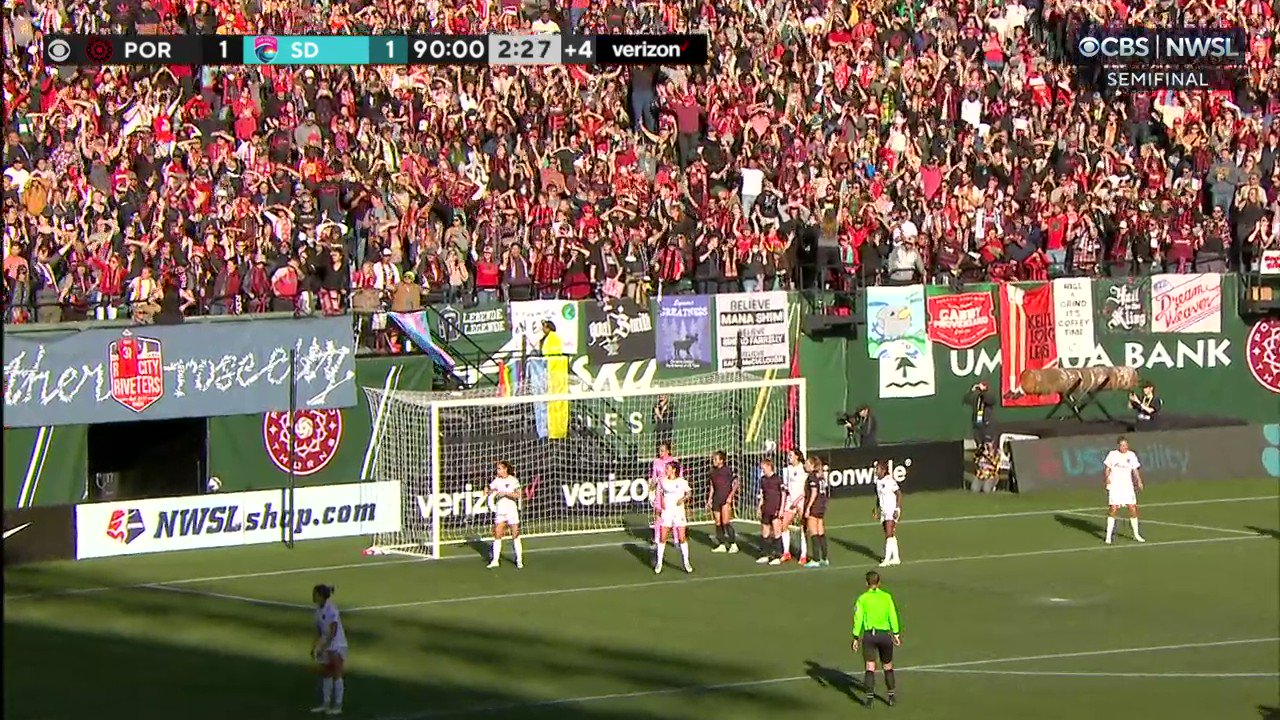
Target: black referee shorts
{"points": [[877, 644]]}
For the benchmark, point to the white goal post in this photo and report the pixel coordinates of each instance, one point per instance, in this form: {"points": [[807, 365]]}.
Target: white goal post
{"points": [[442, 448]]}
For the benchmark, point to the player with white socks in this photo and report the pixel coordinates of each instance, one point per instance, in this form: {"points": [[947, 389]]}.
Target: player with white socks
{"points": [[656, 475], [794, 477], [504, 494], [1121, 478], [329, 651], [673, 493], [887, 510]]}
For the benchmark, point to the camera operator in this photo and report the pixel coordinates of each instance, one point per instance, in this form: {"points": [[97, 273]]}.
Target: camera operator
{"points": [[860, 428], [979, 399], [1147, 407]]}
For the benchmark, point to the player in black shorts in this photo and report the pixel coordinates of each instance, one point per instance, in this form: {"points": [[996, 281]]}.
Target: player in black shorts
{"points": [[724, 485], [770, 508], [815, 511]]}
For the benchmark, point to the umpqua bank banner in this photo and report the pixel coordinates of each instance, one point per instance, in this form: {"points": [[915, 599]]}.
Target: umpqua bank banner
{"points": [[155, 372]]}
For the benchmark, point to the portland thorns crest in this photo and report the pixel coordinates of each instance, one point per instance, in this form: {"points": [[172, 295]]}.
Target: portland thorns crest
{"points": [[137, 371], [318, 434]]}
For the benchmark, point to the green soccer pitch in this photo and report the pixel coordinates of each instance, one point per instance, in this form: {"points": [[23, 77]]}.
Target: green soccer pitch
{"points": [[1011, 607]]}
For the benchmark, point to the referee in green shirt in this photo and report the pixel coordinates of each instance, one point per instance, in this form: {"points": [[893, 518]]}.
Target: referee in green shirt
{"points": [[875, 628]]}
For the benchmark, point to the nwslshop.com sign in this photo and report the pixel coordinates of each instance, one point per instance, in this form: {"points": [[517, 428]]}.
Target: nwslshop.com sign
{"points": [[156, 372], [916, 466]]}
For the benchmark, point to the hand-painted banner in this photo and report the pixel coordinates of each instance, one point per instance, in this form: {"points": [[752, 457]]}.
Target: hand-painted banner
{"points": [[960, 320], [684, 332], [526, 324], [906, 372], [1186, 303], [1269, 262], [751, 331], [617, 330], [1123, 306], [1027, 340], [157, 372], [895, 313], [1073, 318]]}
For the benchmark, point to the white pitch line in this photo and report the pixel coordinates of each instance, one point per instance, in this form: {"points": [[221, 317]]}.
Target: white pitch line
{"points": [[592, 546], [764, 573], [1189, 526], [481, 710], [224, 596], [1031, 673]]}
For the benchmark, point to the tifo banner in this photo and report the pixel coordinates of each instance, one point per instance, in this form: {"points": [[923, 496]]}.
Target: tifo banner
{"points": [[895, 315], [618, 330], [1262, 351], [1203, 454], [1186, 303], [158, 372], [1073, 317], [915, 465], [1270, 262], [960, 320], [134, 527], [1027, 340], [684, 332], [1123, 306], [37, 534], [481, 325], [526, 324], [906, 372], [752, 330]]}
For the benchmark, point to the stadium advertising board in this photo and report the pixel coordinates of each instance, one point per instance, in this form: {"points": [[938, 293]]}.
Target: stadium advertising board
{"points": [[135, 527], [1202, 454], [158, 372], [37, 534], [936, 465]]}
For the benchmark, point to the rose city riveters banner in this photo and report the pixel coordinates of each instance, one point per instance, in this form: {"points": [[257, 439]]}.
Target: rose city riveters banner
{"points": [[155, 372]]}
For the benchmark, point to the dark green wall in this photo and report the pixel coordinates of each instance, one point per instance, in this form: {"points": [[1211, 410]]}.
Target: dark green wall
{"points": [[45, 466]]}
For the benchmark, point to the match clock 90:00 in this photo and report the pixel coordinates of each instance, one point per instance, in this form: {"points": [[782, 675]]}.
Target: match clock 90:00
{"points": [[448, 50]]}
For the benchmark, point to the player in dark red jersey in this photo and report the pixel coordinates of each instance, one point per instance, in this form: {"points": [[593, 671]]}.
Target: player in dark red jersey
{"points": [[771, 492], [815, 511], [724, 486]]}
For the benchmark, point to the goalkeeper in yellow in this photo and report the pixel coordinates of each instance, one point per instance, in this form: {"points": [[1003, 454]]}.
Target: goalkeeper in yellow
{"points": [[876, 630]]}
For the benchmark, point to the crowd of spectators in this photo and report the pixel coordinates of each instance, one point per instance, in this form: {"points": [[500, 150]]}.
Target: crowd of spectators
{"points": [[827, 143]]}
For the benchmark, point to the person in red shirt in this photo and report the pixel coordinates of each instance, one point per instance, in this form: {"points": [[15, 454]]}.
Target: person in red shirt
{"points": [[488, 277]]}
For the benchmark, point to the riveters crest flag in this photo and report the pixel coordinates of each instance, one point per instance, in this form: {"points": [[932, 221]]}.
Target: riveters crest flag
{"points": [[137, 371]]}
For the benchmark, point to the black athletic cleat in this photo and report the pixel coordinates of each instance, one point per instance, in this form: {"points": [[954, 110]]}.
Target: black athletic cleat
{"points": [[891, 700]]}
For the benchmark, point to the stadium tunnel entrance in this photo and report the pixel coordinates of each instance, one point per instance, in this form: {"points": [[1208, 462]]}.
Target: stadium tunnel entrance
{"points": [[145, 459]]}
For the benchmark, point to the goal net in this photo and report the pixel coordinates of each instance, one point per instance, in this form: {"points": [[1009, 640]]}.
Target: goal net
{"points": [[442, 447]]}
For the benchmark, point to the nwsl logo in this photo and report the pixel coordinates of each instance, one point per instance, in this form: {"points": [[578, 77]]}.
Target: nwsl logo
{"points": [[266, 48]]}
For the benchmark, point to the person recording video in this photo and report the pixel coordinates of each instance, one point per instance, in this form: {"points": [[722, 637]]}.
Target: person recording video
{"points": [[979, 400], [1147, 407], [860, 428]]}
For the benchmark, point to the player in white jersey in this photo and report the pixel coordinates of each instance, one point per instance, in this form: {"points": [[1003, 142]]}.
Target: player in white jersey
{"points": [[673, 495], [329, 651], [504, 495], [1122, 481], [887, 510], [794, 477]]}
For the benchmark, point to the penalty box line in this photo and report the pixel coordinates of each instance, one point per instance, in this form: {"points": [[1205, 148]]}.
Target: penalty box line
{"points": [[591, 546], [720, 687]]}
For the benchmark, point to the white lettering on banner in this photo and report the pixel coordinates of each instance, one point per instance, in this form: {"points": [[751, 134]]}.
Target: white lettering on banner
{"points": [[25, 383], [469, 501], [752, 331], [1207, 354], [605, 492], [135, 527], [854, 477], [638, 375]]}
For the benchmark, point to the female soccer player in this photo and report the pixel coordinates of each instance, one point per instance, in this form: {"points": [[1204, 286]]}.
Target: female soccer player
{"points": [[1122, 481], [329, 651], [724, 486], [656, 475], [770, 507], [887, 510], [793, 477], [815, 512], [673, 492], [504, 493]]}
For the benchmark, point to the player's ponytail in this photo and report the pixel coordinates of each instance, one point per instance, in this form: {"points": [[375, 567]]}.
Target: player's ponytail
{"points": [[322, 591]]}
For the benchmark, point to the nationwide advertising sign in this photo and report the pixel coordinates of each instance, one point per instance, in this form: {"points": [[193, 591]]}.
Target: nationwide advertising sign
{"points": [[157, 372], [915, 465], [1203, 455], [135, 527]]}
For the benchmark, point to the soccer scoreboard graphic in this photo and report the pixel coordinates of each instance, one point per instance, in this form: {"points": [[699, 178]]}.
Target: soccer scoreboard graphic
{"points": [[541, 49]]}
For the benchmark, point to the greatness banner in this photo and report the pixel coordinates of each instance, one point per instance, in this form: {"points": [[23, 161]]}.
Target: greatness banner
{"points": [[684, 332], [1186, 303], [1199, 455], [1027, 341], [135, 527], [157, 372], [895, 314], [758, 324]]}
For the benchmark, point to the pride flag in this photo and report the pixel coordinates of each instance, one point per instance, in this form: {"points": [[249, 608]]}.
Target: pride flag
{"points": [[415, 327]]}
